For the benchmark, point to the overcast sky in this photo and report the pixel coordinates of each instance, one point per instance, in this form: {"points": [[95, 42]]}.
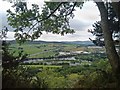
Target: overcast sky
{"points": [[83, 20]]}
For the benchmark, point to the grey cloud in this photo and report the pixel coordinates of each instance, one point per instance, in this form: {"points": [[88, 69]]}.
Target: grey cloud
{"points": [[78, 25], [4, 21]]}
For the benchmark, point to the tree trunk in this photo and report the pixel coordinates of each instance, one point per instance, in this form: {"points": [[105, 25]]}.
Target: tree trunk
{"points": [[112, 54], [116, 7]]}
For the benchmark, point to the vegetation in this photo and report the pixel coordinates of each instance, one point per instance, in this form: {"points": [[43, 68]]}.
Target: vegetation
{"points": [[91, 70], [94, 71], [55, 18]]}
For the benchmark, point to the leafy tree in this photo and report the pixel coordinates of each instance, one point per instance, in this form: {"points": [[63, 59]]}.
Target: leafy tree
{"points": [[10, 61], [113, 21], [15, 76], [113, 27], [109, 44], [10, 65]]}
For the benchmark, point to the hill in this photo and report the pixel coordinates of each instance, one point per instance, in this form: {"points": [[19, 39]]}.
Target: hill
{"points": [[84, 43]]}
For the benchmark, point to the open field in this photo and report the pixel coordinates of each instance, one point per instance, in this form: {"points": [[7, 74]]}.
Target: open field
{"points": [[50, 49], [58, 54]]}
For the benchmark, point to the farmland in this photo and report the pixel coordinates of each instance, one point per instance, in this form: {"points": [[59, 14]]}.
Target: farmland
{"points": [[59, 53], [60, 65]]}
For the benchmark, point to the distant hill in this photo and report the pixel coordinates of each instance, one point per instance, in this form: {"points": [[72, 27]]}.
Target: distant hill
{"points": [[85, 43], [80, 42]]}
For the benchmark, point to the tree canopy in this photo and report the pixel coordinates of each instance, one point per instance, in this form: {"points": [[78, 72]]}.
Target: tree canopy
{"points": [[30, 23]]}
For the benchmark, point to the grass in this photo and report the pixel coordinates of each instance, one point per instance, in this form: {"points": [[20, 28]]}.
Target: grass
{"points": [[48, 49], [42, 50], [43, 54]]}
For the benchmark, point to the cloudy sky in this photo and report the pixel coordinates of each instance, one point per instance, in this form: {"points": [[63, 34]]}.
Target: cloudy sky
{"points": [[83, 20]]}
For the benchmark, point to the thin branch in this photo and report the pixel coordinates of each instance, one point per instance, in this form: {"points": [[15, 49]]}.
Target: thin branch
{"points": [[46, 17], [32, 27], [72, 9], [52, 12]]}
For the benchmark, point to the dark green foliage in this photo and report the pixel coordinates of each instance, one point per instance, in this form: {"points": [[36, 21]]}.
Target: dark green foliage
{"points": [[11, 74], [91, 57], [8, 60], [21, 77]]}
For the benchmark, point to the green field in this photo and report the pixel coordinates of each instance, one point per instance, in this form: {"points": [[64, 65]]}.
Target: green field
{"points": [[35, 50], [48, 49], [42, 50]]}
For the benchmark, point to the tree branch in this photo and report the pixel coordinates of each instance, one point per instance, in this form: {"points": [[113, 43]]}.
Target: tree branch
{"points": [[72, 9], [46, 17], [52, 14]]}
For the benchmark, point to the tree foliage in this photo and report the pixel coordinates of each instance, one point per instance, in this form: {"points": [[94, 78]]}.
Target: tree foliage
{"points": [[31, 23], [10, 61]]}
